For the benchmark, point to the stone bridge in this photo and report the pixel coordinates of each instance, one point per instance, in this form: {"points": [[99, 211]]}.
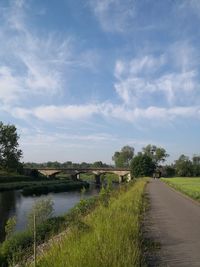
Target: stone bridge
{"points": [[75, 172]]}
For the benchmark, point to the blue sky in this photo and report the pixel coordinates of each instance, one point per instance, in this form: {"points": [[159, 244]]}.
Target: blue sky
{"points": [[82, 78]]}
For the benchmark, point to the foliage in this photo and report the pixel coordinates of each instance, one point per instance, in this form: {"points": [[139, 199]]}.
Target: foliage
{"points": [[10, 226], [157, 154], [196, 165], [104, 195], [142, 165], [8, 177], [37, 187], [184, 166], [168, 171], [42, 209], [123, 158], [11, 248], [67, 165], [99, 164], [111, 238], [59, 186], [19, 245], [10, 154]]}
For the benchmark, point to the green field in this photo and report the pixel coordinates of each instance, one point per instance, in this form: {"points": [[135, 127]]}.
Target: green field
{"points": [[109, 236], [187, 185]]}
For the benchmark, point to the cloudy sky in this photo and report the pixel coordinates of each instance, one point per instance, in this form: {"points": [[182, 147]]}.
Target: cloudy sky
{"points": [[82, 78]]}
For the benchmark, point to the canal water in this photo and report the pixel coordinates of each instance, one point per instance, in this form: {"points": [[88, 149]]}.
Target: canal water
{"points": [[13, 203]]}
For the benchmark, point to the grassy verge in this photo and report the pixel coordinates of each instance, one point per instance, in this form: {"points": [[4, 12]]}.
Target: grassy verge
{"points": [[187, 185], [109, 236], [18, 247]]}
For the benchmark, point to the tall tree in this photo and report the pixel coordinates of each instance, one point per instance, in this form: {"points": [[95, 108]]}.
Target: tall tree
{"points": [[196, 165], [158, 154], [142, 165], [123, 158], [10, 154], [184, 166]]}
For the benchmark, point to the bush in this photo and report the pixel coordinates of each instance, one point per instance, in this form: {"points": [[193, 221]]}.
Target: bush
{"points": [[13, 249]]}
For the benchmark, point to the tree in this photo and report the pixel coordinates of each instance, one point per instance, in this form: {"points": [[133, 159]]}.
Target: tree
{"points": [[142, 165], [10, 226], [158, 154], [196, 165], [168, 171], [42, 209], [10, 154], [123, 158], [98, 164], [184, 166]]}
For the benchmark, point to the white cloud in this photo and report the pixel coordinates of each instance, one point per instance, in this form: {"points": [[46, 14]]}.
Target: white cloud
{"points": [[30, 64], [167, 80], [60, 114], [10, 85], [34, 64], [57, 113], [152, 113], [114, 15]]}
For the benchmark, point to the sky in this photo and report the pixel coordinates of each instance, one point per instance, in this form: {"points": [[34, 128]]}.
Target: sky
{"points": [[82, 78]]}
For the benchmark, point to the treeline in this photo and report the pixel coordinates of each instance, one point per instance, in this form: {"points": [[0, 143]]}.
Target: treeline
{"points": [[67, 165], [150, 162], [184, 167], [144, 163]]}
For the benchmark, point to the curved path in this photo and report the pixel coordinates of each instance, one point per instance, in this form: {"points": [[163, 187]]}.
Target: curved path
{"points": [[174, 221]]}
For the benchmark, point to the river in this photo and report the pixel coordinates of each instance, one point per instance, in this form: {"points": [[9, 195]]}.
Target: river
{"points": [[13, 203]]}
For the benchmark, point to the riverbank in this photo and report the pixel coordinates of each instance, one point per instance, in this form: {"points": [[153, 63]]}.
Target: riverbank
{"points": [[108, 236], [37, 185], [43, 187], [118, 211], [10, 177]]}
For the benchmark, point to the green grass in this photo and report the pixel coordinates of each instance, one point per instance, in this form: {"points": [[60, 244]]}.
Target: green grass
{"points": [[109, 236], [187, 185], [19, 246]]}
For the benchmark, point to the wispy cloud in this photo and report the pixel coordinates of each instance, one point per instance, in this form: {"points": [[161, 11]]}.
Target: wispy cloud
{"points": [[36, 62], [194, 5], [167, 80], [59, 114], [114, 15]]}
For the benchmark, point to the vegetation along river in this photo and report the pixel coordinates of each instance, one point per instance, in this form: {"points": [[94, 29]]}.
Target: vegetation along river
{"points": [[13, 203]]}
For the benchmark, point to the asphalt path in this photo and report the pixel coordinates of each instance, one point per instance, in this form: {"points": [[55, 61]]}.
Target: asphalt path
{"points": [[173, 221]]}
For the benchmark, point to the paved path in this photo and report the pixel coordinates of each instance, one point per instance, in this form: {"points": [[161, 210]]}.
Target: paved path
{"points": [[174, 221]]}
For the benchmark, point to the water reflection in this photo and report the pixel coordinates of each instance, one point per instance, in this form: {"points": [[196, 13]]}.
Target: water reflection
{"points": [[13, 203], [8, 202]]}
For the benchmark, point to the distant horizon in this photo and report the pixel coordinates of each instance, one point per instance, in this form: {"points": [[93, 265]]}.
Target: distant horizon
{"points": [[81, 79]]}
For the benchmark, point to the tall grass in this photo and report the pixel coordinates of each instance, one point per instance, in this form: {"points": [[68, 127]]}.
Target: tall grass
{"points": [[187, 185], [107, 237]]}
